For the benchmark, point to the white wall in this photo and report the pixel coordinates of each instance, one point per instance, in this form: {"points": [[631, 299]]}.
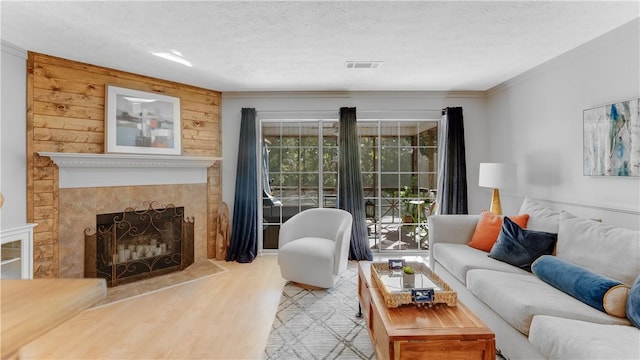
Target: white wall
{"points": [[369, 105], [536, 122], [13, 137]]}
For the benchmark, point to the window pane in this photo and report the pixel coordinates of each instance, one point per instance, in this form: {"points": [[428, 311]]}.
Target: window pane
{"points": [[330, 140], [389, 141], [330, 182], [406, 159], [368, 180], [308, 159], [276, 181], [330, 159], [408, 181], [368, 161], [273, 140], [368, 140], [428, 138], [290, 159], [389, 160], [390, 182], [309, 141], [406, 141], [274, 159], [309, 181], [290, 180], [290, 141]]}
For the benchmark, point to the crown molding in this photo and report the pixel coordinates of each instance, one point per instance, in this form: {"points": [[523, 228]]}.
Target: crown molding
{"points": [[352, 94], [6, 46]]}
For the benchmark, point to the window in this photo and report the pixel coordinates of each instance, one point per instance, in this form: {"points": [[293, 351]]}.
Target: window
{"points": [[399, 169], [399, 166], [300, 159]]}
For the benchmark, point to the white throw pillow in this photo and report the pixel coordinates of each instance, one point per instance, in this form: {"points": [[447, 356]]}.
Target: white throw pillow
{"points": [[606, 250], [541, 217]]}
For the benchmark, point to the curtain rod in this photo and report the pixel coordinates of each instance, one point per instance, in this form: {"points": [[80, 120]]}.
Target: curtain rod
{"points": [[337, 111]]}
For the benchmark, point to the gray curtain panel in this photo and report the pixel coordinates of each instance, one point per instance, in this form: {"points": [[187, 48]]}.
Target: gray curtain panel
{"points": [[350, 190], [452, 183], [244, 234]]}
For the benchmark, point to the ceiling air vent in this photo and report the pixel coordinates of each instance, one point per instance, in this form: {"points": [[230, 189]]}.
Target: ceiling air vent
{"points": [[363, 64]]}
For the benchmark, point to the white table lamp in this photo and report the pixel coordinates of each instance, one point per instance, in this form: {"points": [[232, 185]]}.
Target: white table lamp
{"points": [[497, 176]]}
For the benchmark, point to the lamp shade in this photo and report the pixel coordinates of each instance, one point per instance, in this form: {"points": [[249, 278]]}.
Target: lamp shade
{"points": [[497, 175]]}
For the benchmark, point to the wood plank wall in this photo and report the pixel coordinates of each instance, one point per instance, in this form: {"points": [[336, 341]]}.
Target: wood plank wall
{"points": [[65, 113]]}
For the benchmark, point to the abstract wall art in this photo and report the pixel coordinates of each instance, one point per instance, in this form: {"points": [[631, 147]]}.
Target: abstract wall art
{"points": [[611, 140], [140, 122]]}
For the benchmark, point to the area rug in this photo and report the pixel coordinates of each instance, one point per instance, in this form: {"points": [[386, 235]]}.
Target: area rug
{"points": [[320, 324], [196, 271]]}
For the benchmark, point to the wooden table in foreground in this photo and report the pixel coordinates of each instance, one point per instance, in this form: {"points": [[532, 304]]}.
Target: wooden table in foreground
{"points": [[32, 307], [412, 332]]}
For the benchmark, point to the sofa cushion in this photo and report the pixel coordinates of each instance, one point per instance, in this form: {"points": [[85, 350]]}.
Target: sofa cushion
{"points": [[517, 298], [488, 229], [520, 247], [558, 338], [633, 303], [597, 291], [541, 217], [459, 258], [606, 250]]}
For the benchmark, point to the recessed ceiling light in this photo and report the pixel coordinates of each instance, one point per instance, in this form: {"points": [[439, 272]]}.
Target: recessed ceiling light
{"points": [[173, 56], [363, 64]]}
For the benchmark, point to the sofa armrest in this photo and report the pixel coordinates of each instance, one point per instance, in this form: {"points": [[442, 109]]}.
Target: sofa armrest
{"points": [[453, 229]]}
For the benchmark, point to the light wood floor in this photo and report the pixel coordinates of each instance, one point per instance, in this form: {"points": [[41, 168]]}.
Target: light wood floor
{"points": [[224, 316]]}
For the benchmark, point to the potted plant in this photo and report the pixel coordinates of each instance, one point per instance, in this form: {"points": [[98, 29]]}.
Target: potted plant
{"points": [[408, 277], [406, 210], [412, 206]]}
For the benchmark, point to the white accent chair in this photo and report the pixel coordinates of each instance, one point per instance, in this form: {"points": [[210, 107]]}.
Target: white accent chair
{"points": [[313, 246]]}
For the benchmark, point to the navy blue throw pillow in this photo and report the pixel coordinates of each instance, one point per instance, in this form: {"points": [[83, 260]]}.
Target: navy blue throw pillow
{"points": [[520, 247]]}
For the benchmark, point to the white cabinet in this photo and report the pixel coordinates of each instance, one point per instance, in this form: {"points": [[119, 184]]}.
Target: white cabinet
{"points": [[16, 252]]}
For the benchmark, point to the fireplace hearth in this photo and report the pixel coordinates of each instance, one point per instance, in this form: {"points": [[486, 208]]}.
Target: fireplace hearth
{"points": [[137, 244]]}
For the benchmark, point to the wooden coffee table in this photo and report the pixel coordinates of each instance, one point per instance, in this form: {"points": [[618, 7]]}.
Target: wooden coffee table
{"points": [[412, 332]]}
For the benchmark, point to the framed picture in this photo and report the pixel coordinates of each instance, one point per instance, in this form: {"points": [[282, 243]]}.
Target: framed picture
{"points": [[611, 140], [395, 264], [139, 122]]}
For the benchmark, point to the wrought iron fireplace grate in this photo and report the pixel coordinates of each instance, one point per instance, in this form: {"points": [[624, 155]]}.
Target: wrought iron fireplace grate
{"points": [[138, 244]]}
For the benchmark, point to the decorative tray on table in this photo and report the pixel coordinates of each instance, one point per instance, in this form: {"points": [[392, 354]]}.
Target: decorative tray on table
{"points": [[423, 287]]}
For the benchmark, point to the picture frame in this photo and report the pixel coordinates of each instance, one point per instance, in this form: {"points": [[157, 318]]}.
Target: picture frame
{"points": [[140, 122], [422, 296], [611, 139], [396, 264]]}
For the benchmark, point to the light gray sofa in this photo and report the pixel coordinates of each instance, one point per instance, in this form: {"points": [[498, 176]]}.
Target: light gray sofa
{"points": [[531, 319]]}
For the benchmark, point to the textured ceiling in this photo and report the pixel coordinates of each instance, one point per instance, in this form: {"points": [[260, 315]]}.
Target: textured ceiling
{"points": [[303, 45]]}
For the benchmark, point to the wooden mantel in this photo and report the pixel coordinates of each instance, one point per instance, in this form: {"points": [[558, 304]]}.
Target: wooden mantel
{"points": [[98, 170]]}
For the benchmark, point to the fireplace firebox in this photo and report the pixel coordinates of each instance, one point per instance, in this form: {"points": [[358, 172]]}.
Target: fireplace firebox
{"points": [[137, 244]]}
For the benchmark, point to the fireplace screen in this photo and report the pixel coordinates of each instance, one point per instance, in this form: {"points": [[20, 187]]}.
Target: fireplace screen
{"points": [[138, 244]]}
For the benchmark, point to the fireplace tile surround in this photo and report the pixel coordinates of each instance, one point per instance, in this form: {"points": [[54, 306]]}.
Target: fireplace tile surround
{"points": [[78, 208]]}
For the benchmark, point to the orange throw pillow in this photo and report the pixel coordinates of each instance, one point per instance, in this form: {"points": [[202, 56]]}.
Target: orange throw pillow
{"points": [[488, 229]]}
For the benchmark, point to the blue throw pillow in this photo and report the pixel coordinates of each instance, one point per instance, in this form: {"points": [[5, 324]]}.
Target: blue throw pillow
{"points": [[595, 290], [520, 247], [633, 303]]}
